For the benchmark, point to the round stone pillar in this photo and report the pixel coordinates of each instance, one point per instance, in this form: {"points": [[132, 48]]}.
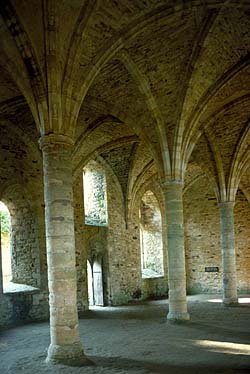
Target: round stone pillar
{"points": [[176, 252], [65, 346], [228, 253]]}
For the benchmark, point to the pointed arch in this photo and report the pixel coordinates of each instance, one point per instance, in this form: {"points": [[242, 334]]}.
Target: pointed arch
{"points": [[74, 51], [35, 98], [118, 41], [194, 58], [204, 125], [152, 105], [240, 162], [193, 121], [221, 183]]}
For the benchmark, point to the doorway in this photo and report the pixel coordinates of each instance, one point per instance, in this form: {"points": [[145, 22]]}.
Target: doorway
{"points": [[95, 283]]}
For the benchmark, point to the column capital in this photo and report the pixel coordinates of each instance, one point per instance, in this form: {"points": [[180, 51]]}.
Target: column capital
{"points": [[166, 182], [226, 204], [53, 140]]}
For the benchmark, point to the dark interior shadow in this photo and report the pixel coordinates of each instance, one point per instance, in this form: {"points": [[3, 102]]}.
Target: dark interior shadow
{"points": [[119, 363]]}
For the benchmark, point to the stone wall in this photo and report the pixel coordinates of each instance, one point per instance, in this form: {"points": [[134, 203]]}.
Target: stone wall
{"points": [[97, 251], [149, 287], [118, 245], [202, 239], [81, 254], [88, 238], [122, 263], [23, 306], [126, 281], [25, 258], [21, 189]]}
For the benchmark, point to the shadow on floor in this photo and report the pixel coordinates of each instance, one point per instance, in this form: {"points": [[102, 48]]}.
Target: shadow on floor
{"points": [[119, 363]]}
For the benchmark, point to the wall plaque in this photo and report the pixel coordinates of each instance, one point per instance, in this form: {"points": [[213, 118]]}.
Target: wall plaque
{"points": [[212, 269]]}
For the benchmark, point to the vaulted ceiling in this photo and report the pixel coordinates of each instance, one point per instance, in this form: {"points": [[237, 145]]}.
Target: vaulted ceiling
{"points": [[166, 82]]}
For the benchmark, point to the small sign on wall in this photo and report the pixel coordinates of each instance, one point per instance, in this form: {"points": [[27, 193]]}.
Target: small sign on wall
{"points": [[212, 269]]}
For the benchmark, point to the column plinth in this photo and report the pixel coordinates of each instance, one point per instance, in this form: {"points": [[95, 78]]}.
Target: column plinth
{"points": [[230, 296], [65, 344], [176, 253]]}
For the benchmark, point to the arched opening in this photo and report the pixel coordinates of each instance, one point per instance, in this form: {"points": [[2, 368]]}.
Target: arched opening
{"points": [[95, 195], [95, 283], [5, 243], [24, 244], [152, 265]]}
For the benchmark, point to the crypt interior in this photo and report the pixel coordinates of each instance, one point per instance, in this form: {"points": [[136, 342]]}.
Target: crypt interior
{"points": [[125, 186]]}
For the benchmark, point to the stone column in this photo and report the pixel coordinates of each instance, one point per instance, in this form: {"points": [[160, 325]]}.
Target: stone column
{"points": [[65, 346], [176, 252], [228, 253]]}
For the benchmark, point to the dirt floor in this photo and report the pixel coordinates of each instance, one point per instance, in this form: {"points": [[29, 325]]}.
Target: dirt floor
{"points": [[136, 339]]}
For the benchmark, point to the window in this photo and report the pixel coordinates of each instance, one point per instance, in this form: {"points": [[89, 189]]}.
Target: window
{"points": [[151, 237], [20, 245], [95, 199], [5, 243]]}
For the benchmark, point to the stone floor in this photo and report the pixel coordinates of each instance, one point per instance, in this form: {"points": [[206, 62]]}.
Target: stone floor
{"points": [[136, 339]]}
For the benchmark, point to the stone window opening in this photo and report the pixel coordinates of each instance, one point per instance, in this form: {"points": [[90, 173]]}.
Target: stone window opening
{"points": [[95, 195], [5, 244], [151, 245], [19, 260]]}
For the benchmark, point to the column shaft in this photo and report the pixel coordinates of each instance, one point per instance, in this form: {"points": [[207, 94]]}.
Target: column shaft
{"points": [[176, 252], [228, 253], [65, 344]]}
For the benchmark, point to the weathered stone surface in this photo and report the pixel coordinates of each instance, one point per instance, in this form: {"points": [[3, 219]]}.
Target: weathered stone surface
{"points": [[149, 91], [176, 251], [60, 241], [202, 239]]}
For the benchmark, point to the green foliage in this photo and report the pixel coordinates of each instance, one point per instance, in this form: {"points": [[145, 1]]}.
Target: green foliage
{"points": [[5, 222]]}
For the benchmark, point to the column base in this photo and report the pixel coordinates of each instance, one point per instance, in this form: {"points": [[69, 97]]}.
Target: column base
{"points": [[178, 317], [70, 355], [230, 302]]}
